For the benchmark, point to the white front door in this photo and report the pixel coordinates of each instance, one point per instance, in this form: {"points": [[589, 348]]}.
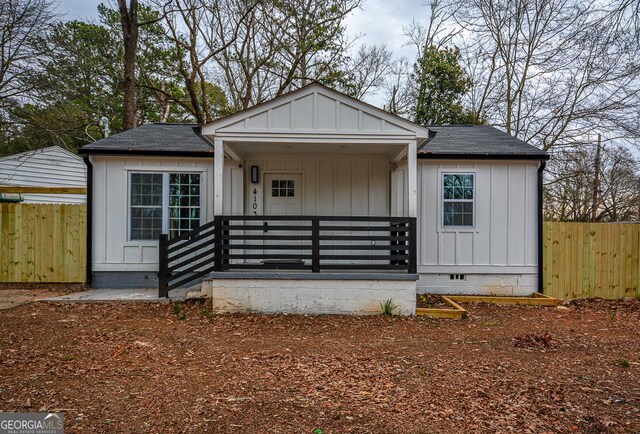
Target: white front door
{"points": [[282, 197], [282, 194]]}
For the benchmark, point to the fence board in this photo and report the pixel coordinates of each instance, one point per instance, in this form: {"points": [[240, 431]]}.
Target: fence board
{"points": [[583, 260], [43, 242]]}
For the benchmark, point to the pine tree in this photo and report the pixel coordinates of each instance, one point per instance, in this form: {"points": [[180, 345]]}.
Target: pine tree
{"points": [[441, 83]]}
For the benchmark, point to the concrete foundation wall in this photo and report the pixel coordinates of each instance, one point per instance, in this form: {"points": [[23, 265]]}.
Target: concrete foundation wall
{"points": [[478, 284], [132, 280], [124, 279], [310, 296]]}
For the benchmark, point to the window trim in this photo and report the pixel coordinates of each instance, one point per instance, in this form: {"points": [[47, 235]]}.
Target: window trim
{"points": [[454, 228], [165, 200]]}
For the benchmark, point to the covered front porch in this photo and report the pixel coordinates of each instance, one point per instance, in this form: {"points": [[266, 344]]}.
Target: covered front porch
{"points": [[320, 207], [314, 183]]}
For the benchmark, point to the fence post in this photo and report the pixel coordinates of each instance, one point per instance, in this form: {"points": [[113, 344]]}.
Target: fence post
{"points": [[392, 243], [163, 273], [315, 245], [225, 244], [413, 253], [217, 246]]}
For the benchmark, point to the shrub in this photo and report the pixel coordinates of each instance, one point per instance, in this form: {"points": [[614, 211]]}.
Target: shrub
{"points": [[387, 307]]}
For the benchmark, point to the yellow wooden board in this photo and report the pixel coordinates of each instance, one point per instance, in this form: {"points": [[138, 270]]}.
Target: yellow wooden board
{"points": [[585, 260], [43, 243], [41, 190], [456, 311], [534, 300]]}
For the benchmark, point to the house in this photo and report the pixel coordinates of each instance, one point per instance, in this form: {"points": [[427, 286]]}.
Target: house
{"points": [[46, 167], [316, 202]]}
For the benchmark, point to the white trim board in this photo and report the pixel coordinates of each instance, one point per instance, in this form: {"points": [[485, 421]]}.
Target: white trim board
{"points": [[477, 269]]}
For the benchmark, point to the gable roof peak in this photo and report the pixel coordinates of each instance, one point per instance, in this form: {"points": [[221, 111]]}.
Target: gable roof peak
{"points": [[315, 109]]}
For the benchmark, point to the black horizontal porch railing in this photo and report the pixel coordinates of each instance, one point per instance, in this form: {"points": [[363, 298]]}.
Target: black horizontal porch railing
{"points": [[312, 243]]}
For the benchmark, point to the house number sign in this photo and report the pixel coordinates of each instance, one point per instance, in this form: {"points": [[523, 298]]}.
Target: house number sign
{"points": [[254, 201]]}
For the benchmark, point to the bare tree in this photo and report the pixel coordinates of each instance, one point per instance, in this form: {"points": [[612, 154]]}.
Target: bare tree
{"points": [[549, 71], [570, 180], [255, 50], [23, 26], [624, 16], [244, 65], [312, 39], [569, 185], [440, 30], [367, 69], [201, 30], [131, 25], [399, 89], [620, 190], [284, 45]]}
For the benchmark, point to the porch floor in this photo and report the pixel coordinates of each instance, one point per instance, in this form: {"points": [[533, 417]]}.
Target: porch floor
{"points": [[132, 295]]}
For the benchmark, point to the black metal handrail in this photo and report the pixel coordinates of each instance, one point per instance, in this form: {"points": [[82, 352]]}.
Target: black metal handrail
{"points": [[313, 243]]}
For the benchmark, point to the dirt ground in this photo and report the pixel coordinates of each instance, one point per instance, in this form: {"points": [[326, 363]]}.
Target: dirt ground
{"points": [[134, 368], [15, 294]]}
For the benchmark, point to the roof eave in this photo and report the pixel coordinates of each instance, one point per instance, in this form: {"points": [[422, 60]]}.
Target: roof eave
{"points": [[483, 156], [147, 153]]}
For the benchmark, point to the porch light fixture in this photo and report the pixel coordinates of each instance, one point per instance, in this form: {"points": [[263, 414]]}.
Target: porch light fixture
{"points": [[255, 174]]}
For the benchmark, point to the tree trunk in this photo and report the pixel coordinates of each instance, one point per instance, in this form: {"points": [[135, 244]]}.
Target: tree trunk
{"points": [[129, 21]]}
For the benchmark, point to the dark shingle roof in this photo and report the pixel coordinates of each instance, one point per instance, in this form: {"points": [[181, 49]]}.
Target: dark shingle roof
{"points": [[153, 139], [450, 141], [476, 141]]}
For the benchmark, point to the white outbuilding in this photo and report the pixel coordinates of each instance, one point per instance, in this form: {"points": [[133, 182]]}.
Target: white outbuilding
{"points": [[47, 167]]}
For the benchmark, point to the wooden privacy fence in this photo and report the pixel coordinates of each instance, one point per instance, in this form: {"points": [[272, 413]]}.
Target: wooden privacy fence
{"points": [[583, 260], [43, 243], [47, 243]]}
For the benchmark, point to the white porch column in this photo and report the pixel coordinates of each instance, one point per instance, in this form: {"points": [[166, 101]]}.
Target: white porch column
{"points": [[218, 176], [412, 175]]}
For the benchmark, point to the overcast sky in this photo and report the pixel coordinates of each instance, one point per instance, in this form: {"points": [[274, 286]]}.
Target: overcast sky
{"points": [[378, 22]]}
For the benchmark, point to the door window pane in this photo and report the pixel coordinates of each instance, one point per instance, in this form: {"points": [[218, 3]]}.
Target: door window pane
{"points": [[283, 188], [146, 206], [184, 203]]}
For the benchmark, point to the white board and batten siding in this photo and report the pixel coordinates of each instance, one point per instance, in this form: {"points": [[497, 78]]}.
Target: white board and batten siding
{"points": [[505, 229], [499, 254], [47, 167], [112, 248], [331, 185], [311, 112]]}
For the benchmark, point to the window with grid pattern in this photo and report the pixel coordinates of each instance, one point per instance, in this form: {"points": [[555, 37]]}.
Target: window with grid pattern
{"points": [[184, 202], [458, 199], [161, 202], [146, 206], [283, 188]]}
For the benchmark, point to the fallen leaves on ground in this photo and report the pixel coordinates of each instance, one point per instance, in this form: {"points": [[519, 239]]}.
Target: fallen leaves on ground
{"points": [[135, 368]]}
